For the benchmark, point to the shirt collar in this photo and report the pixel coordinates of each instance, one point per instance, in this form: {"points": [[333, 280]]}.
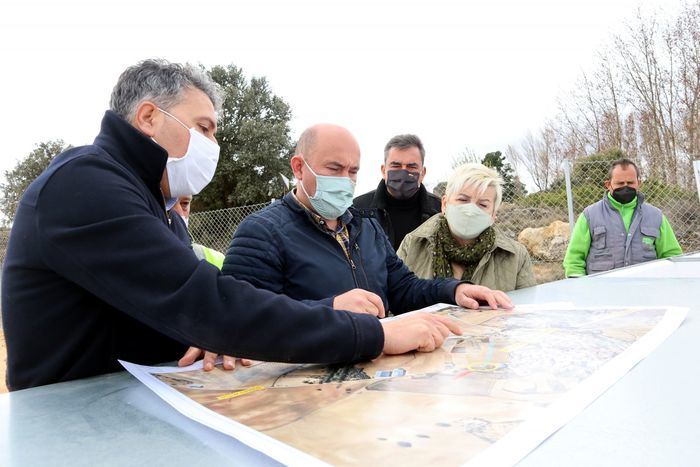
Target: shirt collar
{"points": [[320, 221]]}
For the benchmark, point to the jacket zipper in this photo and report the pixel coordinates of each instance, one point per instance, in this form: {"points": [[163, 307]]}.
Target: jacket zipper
{"points": [[349, 260], [362, 264], [354, 277]]}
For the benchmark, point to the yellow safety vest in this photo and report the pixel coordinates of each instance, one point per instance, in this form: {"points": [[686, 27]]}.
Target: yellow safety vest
{"points": [[209, 255]]}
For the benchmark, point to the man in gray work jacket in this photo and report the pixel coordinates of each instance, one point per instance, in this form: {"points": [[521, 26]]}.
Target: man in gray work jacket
{"points": [[619, 230]]}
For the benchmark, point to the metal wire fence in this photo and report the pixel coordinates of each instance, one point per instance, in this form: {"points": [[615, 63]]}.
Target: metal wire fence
{"points": [[4, 239], [215, 229], [540, 221]]}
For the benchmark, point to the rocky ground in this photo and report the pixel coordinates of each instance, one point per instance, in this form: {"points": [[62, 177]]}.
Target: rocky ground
{"points": [[547, 271]]}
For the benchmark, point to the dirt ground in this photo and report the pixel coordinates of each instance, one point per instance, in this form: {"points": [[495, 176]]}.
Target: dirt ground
{"points": [[3, 362]]}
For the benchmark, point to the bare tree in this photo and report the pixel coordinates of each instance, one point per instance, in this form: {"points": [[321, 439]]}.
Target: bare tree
{"points": [[539, 156], [642, 98], [467, 155], [647, 68], [686, 38]]}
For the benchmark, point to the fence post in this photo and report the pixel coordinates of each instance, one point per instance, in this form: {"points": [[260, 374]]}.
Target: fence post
{"points": [[696, 167], [566, 165]]}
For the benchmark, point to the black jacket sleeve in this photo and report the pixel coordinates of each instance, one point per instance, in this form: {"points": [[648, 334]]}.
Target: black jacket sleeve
{"points": [[103, 235]]}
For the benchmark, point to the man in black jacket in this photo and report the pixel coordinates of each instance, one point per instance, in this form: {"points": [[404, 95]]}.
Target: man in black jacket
{"points": [[400, 203], [93, 273]]}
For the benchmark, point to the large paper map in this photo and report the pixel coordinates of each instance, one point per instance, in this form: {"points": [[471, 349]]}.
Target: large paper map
{"points": [[489, 396]]}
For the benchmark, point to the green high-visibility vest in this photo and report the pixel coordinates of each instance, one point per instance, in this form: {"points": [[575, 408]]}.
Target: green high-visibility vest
{"points": [[209, 255]]}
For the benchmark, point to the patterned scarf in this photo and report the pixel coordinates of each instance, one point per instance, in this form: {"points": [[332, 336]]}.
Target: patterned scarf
{"points": [[448, 251]]}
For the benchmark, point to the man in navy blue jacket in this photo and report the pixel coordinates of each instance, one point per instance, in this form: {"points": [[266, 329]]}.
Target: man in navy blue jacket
{"points": [[93, 272], [311, 247]]}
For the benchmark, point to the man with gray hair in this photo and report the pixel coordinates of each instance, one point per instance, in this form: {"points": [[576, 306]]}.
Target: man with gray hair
{"points": [[400, 203], [93, 273]]}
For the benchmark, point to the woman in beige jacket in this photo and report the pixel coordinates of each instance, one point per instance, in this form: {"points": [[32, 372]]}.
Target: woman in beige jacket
{"points": [[462, 242]]}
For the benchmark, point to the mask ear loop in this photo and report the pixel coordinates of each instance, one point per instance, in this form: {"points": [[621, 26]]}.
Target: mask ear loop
{"points": [[301, 182], [174, 159], [309, 167], [354, 183], [173, 116]]}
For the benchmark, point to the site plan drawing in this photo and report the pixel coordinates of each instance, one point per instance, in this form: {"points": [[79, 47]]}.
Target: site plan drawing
{"points": [[487, 397]]}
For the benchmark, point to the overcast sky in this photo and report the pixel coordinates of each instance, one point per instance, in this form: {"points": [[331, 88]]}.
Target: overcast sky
{"points": [[476, 74]]}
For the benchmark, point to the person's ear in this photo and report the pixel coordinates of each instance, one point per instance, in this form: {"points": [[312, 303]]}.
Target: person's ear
{"points": [[147, 118], [383, 168], [296, 162], [444, 204], [608, 185], [422, 176]]}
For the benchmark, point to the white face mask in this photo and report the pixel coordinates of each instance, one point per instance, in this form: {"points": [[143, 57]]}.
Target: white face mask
{"points": [[170, 203], [189, 174], [467, 221]]}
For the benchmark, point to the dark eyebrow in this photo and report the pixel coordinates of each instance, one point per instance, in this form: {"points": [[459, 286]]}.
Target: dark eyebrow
{"points": [[211, 123]]}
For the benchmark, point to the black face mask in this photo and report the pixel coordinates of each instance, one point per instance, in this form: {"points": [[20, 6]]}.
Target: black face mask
{"points": [[624, 194], [402, 184]]}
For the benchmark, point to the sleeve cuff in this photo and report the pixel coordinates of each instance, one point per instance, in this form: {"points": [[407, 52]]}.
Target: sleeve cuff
{"points": [[369, 333]]}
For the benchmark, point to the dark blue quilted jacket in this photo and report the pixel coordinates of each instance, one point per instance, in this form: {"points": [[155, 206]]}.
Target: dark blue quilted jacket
{"points": [[280, 249]]}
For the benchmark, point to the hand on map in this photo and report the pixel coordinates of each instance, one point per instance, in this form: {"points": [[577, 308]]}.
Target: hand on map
{"points": [[360, 301], [423, 332], [193, 353], [466, 295]]}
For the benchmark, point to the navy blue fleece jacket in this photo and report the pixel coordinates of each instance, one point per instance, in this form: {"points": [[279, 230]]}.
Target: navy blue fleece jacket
{"points": [[94, 274]]}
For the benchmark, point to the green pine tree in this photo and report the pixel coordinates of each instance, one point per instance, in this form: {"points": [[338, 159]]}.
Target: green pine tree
{"points": [[513, 188]]}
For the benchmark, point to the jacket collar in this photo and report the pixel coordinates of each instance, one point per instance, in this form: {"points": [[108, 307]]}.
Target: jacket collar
{"points": [[503, 242], [428, 228], [134, 150], [381, 194]]}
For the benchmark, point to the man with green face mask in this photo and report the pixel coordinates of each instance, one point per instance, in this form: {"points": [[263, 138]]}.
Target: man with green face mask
{"points": [[313, 247], [619, 230]]}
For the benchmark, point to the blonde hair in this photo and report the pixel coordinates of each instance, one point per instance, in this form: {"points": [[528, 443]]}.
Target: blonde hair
{"points": [[479, 176]]}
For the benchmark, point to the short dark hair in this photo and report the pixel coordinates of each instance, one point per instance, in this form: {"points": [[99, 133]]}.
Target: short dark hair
{"points": [[405, 142], [624, 163]]}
